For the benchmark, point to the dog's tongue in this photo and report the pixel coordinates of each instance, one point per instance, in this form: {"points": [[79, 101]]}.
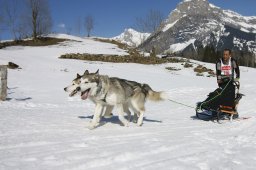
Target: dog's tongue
{"points": [[85, 95]]}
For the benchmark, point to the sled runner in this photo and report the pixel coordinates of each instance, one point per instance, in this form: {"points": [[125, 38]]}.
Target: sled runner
{"points": [[220, 104]]}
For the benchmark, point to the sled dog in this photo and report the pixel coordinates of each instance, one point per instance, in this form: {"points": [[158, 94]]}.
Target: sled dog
{"points": [[111, 92], [107, 108]]}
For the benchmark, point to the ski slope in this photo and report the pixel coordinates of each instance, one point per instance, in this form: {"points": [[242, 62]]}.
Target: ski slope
{"points": [[42, 128]]}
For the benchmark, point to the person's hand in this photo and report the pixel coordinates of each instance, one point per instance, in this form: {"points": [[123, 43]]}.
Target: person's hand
{"points": [[236, 79]]}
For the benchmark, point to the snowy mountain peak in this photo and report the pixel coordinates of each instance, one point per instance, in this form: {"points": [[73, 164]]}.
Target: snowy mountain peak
{"points": [[131, 37], [190, 8], [204, 24], [197, 8], [193, 1]]}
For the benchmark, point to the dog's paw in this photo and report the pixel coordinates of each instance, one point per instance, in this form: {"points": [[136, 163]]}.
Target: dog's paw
{"points": [[139, 123], [134, 120], [126, 124], [92, 126], [108, 116]]}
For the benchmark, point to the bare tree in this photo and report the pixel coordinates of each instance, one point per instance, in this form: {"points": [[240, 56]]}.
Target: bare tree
{"points": [[1, 19], [1, 24], [78, 26], [150, 23], [142, 38], [89, 24], [68, 30], [40, 17], [23, 28], [11, 16], [1, 15]]}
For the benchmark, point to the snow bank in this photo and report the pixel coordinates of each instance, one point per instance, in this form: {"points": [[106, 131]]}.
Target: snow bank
{"points": [[42, 128]]}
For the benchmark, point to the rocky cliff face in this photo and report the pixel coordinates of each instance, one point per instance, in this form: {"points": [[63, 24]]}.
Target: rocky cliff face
{"points": [[195, 24]]}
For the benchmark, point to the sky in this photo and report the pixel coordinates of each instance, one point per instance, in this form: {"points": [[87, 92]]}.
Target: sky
{"points": [[112, 17]]}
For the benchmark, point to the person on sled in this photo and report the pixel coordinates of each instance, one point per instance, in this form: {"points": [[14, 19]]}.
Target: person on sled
{"points": [[222, 103], [226, 67], [228, 74]]}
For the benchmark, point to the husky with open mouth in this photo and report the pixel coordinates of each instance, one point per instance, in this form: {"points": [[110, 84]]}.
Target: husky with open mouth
{"points": [[74, 89], [114, 92]]}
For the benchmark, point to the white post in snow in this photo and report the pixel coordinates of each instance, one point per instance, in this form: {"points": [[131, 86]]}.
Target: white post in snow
{"points": [[3, 82]]}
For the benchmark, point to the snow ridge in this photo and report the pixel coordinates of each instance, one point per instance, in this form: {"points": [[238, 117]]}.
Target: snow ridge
{"points": [[131, 37]]}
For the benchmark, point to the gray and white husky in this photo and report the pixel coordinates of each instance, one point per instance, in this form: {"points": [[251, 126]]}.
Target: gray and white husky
{"points": [[112, 92]]}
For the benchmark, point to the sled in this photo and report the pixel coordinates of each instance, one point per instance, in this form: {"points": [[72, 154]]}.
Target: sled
{"points": [[220, 104]]}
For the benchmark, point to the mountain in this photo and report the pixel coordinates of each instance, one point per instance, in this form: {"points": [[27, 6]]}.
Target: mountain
{"points": [[131, 37], [197, 24]]}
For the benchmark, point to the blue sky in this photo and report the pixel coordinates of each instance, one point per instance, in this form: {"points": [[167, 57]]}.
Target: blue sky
{"points": [[113, 16]]}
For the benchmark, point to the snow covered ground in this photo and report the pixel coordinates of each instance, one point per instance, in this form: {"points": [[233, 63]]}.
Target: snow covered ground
{"points": [[42, 128]]}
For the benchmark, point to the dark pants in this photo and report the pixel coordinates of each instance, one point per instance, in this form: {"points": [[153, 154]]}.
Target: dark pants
{"points": [[228, 95], [225, 95]]}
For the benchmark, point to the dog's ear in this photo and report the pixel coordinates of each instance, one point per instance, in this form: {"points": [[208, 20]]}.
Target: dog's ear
{"points": [[97, 72], [97, 79], [86, 72], [78, 76]]}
